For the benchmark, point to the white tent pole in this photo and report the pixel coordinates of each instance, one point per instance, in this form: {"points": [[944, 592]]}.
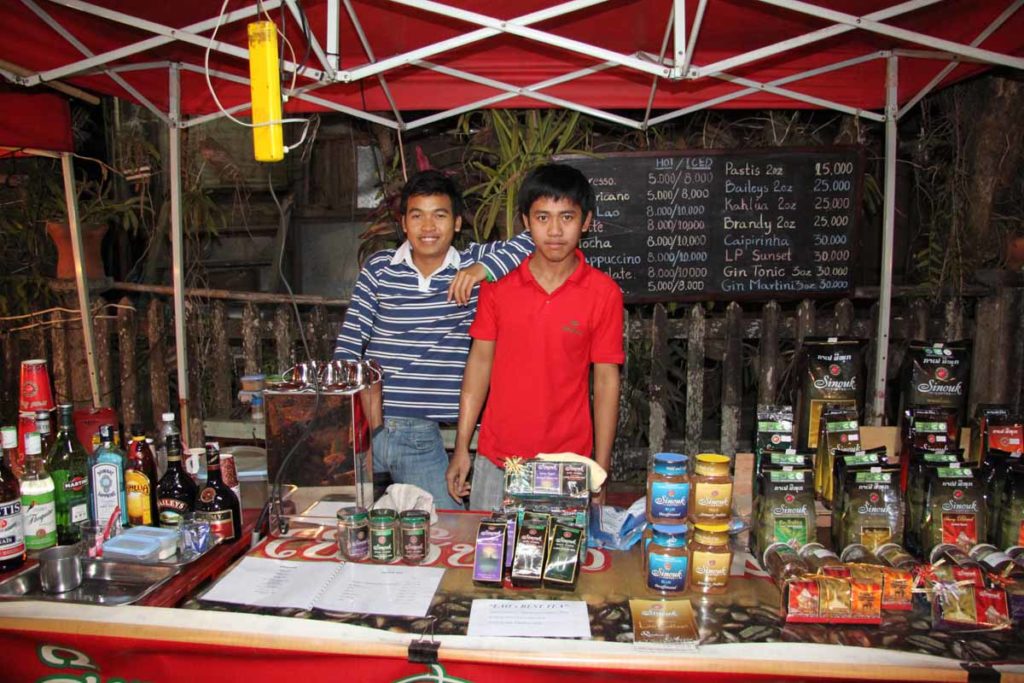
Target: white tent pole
{"points": [[314, 44], [679, 37], [899, 33], [948, 69], [333, 28], [358, 26], [877, 410], [698, 19], [661, 58], [80, 46], [807, 38], [71, 199], [367, 70], [542, 37], [557, 101], [147, 44], [177, 245], [781, 81], [490, 101]]}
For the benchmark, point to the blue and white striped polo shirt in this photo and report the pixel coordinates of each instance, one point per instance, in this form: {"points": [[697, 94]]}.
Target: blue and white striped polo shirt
{"points": [[404, 321]]}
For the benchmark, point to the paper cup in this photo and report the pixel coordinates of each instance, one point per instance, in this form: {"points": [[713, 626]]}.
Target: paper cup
{"points": [[35, 386]]}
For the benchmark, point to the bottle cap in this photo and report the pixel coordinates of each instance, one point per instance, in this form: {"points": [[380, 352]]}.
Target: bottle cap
{"points": [[107, 433], [167, 417], [671, 464], [10, 437]]}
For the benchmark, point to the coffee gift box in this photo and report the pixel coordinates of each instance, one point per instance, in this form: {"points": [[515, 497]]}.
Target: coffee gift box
{"points": [[489, 560], [563, 563]]}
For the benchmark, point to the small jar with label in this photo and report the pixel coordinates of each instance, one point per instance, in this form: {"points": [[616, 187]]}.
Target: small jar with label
{"points": [[819, 557], [414, 536], [383, 545], [784, 563], [354, 534], [996, 561], [894, 555], [668, 489], [711, 489], [858, 553], [710, 558], [667, 559]]}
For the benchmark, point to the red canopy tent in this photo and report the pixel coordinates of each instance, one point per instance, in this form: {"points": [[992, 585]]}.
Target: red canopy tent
{"points": [[637, 63], [33, 123]]}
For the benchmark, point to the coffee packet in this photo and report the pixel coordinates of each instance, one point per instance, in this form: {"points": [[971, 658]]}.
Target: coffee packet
{"points": [[774, 428], [786, 509], [988, 415], [873, 513], [955, 510], [831, 373], [845, 462], [921, 462], [839, 430], [934, 429], [937, 374]]}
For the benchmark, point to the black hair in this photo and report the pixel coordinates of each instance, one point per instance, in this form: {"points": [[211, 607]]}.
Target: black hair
{"points": [[556, 181], [431, 182]]}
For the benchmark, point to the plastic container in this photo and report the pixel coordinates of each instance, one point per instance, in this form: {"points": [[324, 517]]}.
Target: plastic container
{"points": [[132, 548], [168, 538], [668, 489]]}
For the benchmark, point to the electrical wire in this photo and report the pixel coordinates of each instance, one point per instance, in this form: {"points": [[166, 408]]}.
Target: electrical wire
{"points": [[213, 93], [275, 490]]}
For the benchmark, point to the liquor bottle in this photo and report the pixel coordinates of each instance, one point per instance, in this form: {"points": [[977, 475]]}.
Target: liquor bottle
{"points": [[12, 526], [217, 503], [37, 498], [68, 464], [10, 446], [106, 479], [140, 481], [44, 425], [168, 428], [176, 492]]}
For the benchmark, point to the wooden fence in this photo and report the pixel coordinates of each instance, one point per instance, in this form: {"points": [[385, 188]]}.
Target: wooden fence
{"points": [[695, 375]]}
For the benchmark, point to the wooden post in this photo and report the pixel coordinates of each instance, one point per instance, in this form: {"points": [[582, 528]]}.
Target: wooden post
{"points": [[869, 354], [61, 368], [10, 364], [695, 380], [222, 366], [126, 355], [1001, 346], [101, 326], [81, 388], [251, 338], [843, 318], [954, 318], [659, 379], [37, 343], [986, 318], [321, 343], [1016, 375], [804, 322], [732, 378], [917, 321], [158, 384], [283, 337], [198, 355], [768, 377]]}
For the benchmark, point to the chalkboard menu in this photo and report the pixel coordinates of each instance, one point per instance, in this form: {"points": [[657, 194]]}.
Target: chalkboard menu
{"points": [[725, 224]]}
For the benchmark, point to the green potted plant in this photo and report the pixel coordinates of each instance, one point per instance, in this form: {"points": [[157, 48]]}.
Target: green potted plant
{"points": [[97, 207]]}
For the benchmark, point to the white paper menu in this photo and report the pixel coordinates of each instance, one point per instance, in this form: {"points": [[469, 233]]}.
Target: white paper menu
{"points": [[393, 590]]}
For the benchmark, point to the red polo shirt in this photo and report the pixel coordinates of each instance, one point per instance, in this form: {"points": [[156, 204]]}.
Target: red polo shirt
{"points": [[539, 400]]}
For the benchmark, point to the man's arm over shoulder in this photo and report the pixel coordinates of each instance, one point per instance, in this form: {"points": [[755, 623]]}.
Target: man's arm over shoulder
{"points": [[357, 327], [501, 258]]}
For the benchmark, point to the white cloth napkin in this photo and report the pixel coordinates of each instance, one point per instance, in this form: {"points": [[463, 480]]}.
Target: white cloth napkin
{"points": [[402, 497]]}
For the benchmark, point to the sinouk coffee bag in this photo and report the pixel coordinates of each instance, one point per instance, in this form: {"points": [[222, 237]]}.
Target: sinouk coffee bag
{"points": [[937, 374], [831, 374]]}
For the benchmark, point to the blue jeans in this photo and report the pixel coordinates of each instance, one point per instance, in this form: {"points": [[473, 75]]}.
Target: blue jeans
{"points": [[412, 451]]}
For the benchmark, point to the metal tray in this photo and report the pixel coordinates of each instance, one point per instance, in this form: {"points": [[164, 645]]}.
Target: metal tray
{"points": [[103, 583]]}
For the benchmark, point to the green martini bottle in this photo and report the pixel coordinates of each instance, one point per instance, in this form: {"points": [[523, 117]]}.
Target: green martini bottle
{"points": [[67, 464]]}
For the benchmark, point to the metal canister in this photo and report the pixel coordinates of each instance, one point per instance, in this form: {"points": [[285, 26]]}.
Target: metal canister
{"points": [[354, 534], [414, 536]]}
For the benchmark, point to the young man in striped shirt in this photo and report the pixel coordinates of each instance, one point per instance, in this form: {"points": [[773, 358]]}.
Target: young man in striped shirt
{"points": [[411, 309]]}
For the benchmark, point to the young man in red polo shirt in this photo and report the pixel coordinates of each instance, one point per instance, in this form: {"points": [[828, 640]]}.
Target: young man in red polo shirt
{"points": [[536, 335]]}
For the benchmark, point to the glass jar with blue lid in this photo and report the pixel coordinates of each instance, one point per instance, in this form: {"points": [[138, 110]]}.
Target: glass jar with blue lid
{"points": [[668, 488], [667, 559]]}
